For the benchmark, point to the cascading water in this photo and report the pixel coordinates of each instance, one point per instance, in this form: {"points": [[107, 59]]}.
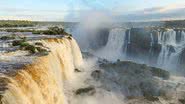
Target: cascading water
{"points": [[183, 36], [151, 43], [42, 82], [119, 41], [114, 47], [170, 51], [129, 36]]}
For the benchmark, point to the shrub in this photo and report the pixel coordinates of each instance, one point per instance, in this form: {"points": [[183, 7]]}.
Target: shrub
{"points": [[30, 48], [17, 42], [51, 31], [37, 32], [24, 44], [42, 51]]}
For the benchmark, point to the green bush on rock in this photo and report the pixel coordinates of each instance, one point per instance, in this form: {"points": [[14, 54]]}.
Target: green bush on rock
{"points": [[30, 48], [51, 31], [35, 48], [24, 44], [42, 51], [17, 42]]}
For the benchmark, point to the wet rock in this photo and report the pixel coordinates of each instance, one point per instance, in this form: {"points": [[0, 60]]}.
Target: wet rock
{"points": [[99, 39], [69, 37], [151, 98], [87, 55], [171, 48], [77, 70], [134, 79], [102, 61], [39, 44], [96, 74], [42, 51], [182, 101], [167, 92], [86, 91], [118, 60], [140, 45]]}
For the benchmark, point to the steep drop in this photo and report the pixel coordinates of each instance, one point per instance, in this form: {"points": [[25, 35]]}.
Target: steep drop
{"points": [[42, 82]]}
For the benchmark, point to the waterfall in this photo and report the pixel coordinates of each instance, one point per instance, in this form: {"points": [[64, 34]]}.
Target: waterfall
{"points": [[152, 40], [167, 39], [182, 36], [42, 82], [168, 56], [114, 47], [151, 43], [129, 36]]}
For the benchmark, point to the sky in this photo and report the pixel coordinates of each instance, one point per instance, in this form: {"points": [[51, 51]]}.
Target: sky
{"points": [[72, 10]]}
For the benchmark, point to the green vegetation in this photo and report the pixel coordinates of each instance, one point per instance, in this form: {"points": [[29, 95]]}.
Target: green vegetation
{"points": [[16, 23], [50, 31], [42, 51], [18, 30], [17, 42], [24, 44], [32, 48], [7, 37]]}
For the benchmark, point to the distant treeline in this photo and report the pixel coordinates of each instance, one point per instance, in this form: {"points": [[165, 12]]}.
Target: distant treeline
{"points": [[16, 23], [175, 23]]}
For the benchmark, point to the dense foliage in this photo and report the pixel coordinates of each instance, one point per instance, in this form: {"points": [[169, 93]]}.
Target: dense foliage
{"points": [[50, 31], [16, 23]]}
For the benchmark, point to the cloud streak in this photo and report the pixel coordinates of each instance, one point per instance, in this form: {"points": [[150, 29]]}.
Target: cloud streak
{"points": [[115, 8]]}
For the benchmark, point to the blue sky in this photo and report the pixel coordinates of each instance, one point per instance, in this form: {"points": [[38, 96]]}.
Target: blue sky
{"points": [[71, 10]]}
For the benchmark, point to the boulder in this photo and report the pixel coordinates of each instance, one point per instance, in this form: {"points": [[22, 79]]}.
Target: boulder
{"points": [[86, 91], [96, 74]]}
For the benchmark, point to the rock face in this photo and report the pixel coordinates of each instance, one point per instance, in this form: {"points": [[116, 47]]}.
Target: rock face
{"points": [[139, 83], [143, 44], [96, 74], [100, 38], [134, 79]]}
